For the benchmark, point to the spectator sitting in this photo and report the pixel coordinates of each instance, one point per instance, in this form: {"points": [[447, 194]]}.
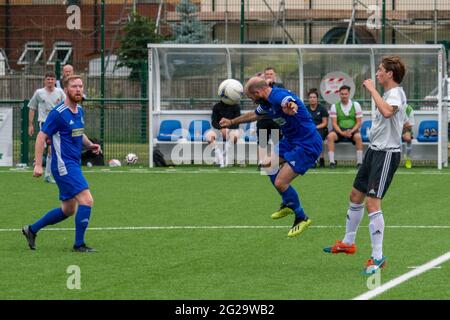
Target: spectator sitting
{"points": [[320, 118], [346, 118], [230, 135]]}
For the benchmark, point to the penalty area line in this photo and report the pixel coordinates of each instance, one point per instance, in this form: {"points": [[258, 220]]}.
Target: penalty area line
{"points": [[405, 277]]}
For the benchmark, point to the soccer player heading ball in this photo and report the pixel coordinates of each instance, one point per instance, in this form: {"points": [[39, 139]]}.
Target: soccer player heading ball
{"points": [[297, 151], [380, 163]]}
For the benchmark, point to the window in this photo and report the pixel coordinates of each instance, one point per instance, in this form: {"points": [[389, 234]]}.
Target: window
{"points": [[62, 51], [32, 53]]}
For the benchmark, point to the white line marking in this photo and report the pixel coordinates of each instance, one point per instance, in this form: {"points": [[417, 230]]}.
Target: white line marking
{"points": [[244, 171], [213, 228], [415, 267], [405, 277]]}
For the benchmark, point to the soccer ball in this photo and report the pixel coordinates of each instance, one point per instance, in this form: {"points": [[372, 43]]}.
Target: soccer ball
{"points": [[131, 158], [230, 91], [114, 163]]}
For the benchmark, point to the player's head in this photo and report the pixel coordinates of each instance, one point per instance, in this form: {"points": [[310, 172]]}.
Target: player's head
{"points": [[390, 69], [67, 70], [257, 89], [73, 87], [49, 79], [313, 96], [270, 74], [344, 94]]}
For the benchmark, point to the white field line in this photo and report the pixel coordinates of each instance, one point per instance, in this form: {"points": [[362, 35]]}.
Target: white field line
{"points": [[212, 228], [218, 171], [405, 277]]}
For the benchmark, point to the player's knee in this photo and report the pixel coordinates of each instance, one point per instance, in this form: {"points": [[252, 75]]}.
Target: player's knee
{"points": [[356, 196], [280, 185]]}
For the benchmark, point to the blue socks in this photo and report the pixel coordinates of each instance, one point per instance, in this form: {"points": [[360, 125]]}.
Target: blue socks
{"points": [[290, 198], [81, 224], [53, 216]]}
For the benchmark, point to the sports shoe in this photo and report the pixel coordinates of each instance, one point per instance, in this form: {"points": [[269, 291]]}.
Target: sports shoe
{"points": [[321, 163], [282, 212], [298, 227], [49, 179], [333, 165], [408, 164], [373, 265], [358, 165], [83, 248], [30, 236], [341, 247]]}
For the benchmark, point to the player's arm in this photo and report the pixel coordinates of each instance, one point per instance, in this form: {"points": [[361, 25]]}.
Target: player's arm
{"points": [[96, 148], [38, 153], [247, 117], [356, 126], [335, 126], [323, 124], [31, 113], [385, 108]]}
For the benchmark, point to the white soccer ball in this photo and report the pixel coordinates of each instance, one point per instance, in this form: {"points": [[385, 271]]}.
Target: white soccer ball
{"points": [[131, 158], [114, 163], [230, 91]]}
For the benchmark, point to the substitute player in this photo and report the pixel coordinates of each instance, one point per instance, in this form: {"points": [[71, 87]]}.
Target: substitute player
{"points": [[299, 148], [65, 127], [380, 162], [43, 100]]}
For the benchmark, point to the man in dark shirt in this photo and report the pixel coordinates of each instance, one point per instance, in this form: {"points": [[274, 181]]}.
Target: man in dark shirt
{"points": [[320, 117], [266, 123], [230, 135]]}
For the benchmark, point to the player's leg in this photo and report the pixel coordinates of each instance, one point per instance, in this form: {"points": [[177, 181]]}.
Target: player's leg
{"points": [[211, 137], [355, 211], [231, 136], [407, 138], [359, 148], [85, 203], [380, 180], [331, 139], [291, 199], [52, 217]]}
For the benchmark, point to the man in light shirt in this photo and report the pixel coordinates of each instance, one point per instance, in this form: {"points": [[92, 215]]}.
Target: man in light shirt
{"points": [[380, 163], [43, 101]]}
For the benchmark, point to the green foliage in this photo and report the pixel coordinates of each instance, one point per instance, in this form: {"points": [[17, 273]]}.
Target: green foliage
{"points": [[190, 29], [133, 48]]}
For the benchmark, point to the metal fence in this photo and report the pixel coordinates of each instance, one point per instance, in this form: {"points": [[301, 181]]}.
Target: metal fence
{"points": [[41, 35]]}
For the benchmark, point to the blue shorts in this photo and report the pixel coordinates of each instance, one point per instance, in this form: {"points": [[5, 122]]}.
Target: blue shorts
{"points": [[300, 157], [71, 184]]}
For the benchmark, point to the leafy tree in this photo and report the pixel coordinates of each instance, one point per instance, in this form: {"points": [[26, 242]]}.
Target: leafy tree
{"points": [[132, 52]]}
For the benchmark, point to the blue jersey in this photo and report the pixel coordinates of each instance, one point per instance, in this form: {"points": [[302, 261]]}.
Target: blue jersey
{"points": [[66, 132], [298, 128]]}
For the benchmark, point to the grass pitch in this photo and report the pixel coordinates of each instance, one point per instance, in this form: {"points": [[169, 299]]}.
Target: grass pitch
{"points": [[203, 233]]}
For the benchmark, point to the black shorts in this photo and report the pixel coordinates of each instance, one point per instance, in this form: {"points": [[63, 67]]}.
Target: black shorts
{"points": [[323, 133], [341, 138], [376, 172], [268, 125]]}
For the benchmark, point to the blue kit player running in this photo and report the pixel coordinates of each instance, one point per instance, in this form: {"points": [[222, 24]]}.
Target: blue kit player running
{"points": [[64, 127], [297, 151]]}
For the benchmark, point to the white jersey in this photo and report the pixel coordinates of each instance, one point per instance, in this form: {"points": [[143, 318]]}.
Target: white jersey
{"points": [[44, 101], [386, 133]]}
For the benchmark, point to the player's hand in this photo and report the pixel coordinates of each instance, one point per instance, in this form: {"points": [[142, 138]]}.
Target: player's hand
{"points": [[290, 109], [225, 123], [369, 85], [30, 130], [96, 148], [348, 133], [37, 172]]}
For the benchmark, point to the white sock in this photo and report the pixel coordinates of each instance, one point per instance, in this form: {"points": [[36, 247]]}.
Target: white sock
{"points": [[376, 228], [354, 216], [228, 152], [48, 170], [359, 156], [408, 148], [218, 155], [331, 156]]}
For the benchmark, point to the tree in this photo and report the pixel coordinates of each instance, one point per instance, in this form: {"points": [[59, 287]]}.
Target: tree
{"points": [[132, 52], [190, 29]]}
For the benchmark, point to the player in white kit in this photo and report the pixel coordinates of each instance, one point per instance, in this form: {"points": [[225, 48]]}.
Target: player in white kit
{"points": [[380, 163]]}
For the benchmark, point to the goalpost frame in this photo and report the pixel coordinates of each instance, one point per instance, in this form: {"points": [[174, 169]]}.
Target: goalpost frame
{"points": [[442, 112]]}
